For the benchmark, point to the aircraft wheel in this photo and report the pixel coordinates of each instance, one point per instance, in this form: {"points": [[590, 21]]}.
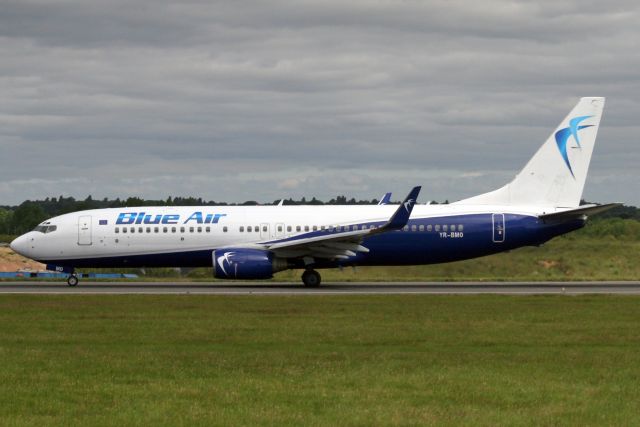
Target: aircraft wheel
{"points": [[311, 278], [72, 280]]}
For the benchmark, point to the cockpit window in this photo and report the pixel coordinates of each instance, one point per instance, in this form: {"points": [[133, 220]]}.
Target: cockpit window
{"points": [[46, 228]]}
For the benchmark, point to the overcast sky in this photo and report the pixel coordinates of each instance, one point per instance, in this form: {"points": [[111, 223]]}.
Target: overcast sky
{"points": [[240, 100]]}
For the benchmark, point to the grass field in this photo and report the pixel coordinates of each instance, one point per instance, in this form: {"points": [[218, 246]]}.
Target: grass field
{"points": [[345, 360]]}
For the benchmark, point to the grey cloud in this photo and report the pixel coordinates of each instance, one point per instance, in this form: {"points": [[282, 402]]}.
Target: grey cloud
{"points": [[261, 100]]}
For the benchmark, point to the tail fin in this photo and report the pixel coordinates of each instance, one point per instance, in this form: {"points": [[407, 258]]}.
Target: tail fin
{"points": [[555, 175]]}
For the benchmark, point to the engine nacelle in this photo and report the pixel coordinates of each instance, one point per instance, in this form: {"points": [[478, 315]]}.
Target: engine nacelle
{"points": [[246, 264]]}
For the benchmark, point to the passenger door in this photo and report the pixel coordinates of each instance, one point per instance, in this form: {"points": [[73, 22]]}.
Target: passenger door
{"points": [[498, 228], [84, 230]]}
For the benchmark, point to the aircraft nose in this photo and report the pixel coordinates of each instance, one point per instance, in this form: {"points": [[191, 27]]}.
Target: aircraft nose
{"points": [[20, 245]]}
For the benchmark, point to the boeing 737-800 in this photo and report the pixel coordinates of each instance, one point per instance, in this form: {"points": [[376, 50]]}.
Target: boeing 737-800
{"points": [[238, 242]]}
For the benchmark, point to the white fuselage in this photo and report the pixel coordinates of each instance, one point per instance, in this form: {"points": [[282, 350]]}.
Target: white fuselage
{"points": [[147, 230]]}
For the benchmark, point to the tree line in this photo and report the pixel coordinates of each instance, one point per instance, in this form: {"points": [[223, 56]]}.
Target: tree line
{"points": [[24, 217]]}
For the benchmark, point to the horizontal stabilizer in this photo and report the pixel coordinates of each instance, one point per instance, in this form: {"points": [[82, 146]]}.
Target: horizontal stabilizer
{"points": [[578, 212]]}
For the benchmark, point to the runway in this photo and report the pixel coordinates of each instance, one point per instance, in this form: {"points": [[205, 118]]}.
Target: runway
{"points": [[335, 288]]}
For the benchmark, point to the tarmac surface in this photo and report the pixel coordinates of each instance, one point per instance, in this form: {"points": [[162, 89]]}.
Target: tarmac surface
{"points": [[331, 288]]}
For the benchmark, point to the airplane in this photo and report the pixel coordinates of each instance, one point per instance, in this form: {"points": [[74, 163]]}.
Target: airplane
{"points": [[254, 242]]}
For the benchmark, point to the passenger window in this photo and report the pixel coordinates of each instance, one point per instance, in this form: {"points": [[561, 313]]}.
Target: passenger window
{"points": [[437, 227], [297, 228], [445, 227], [256, 228], [165, 229], [460, 228], [156, 229], [173, 229], [429, 227], [288, 228], [453, 228], [279, 228], [132, 229], [306, 228], [421, 228], [242, 228], [182, 229], [405, 228], [364, 227], [322, 228], [315, 228], [208, 229], [140, 230], [117, 229], [224, 229], [148, 229], [190, 229], [199, 229], [249, 229], [264, 228], [413, 227]]}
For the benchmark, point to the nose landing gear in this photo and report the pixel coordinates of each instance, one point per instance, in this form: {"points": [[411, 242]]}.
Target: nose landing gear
{"points": [[72, 280]]}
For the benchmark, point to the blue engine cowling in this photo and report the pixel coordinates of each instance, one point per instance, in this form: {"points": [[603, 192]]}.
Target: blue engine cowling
{"points": [[243, 264]]}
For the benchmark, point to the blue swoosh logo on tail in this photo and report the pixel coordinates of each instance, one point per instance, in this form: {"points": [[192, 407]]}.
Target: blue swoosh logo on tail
{"points": [[562, 138]]}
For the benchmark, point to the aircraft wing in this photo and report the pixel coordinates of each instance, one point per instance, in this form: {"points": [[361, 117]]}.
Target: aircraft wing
{"points": [[342, 245], [578, 212]]}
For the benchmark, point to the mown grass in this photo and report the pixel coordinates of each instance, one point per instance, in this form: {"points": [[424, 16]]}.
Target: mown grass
{"points": [[331, 360]]}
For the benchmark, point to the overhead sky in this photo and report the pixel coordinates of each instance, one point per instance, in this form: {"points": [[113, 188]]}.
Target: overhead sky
{"points": [[241, 100]]}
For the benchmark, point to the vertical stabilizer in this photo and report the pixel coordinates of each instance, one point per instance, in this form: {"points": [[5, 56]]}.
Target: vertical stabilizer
{"points": [[556, 174]]}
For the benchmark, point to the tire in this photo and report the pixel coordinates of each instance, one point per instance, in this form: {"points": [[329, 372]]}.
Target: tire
{"points": [[72, 280], [311, 278]]}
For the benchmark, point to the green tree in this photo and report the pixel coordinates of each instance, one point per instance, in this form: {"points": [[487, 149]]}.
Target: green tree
{"points": [[5, 220], [26, 217]]}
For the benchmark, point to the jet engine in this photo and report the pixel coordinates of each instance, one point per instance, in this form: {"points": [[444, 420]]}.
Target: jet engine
{"points": [[246, 264]]}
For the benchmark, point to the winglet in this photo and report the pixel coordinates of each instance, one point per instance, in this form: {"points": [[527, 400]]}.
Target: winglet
{"points": [[401, 216], [385, 199]]}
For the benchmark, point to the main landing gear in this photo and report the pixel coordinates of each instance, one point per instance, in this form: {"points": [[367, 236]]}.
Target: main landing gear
{"points": [[311, 278], [72, 280]]}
